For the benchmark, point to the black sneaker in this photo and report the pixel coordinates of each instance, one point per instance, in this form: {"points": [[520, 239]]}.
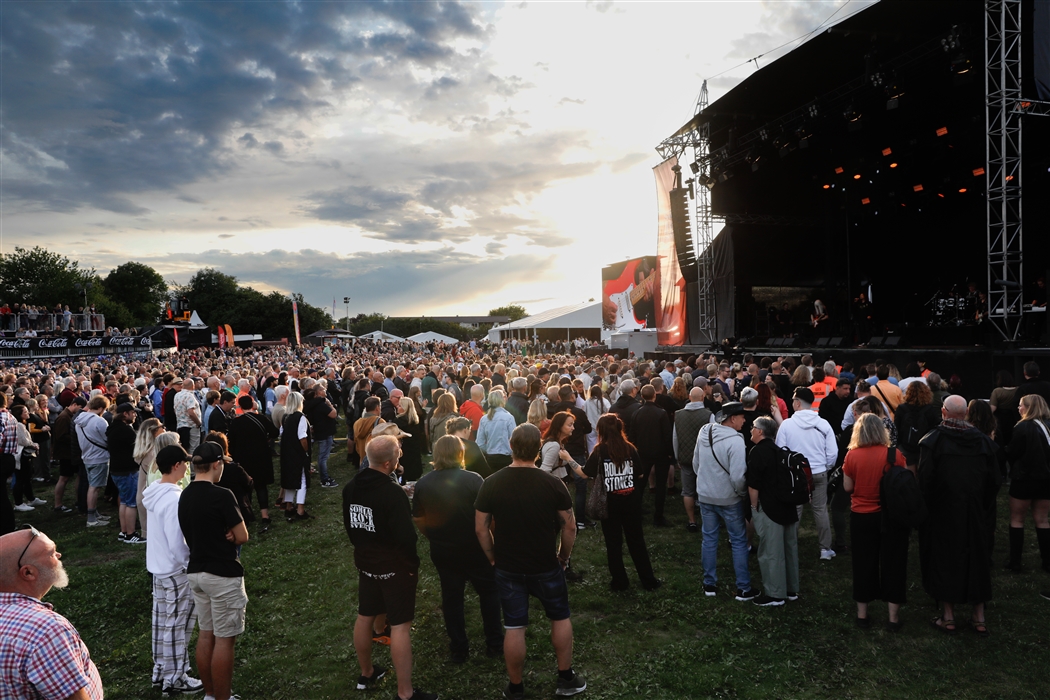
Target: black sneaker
{"points": [[693, 528], [655, 585], [330, 484], [514, 694], [264, 525], [366, 682], [574, 685], [710, 591], [765, 601], [744, 596], [121, 537], [419, 695], [458, 657], [62, 510], [135, 538], [792, 596]]}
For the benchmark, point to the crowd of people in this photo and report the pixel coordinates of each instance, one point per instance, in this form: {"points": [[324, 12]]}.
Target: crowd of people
{"points": [[525, 451], [29, 320]]}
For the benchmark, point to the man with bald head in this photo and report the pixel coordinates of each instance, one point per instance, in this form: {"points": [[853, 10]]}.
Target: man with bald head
{"points": [[42, 654], [959, 477], [687, 423]]}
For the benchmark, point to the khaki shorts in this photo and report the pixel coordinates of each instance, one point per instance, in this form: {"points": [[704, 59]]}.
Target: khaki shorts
{"points": [[220, 603]]}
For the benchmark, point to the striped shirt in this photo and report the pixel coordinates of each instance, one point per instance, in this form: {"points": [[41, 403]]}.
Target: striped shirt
{"points": [[41, 654]]}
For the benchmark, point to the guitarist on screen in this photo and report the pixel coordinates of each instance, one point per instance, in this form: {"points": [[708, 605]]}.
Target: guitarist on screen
{"points": [[645, 308]]}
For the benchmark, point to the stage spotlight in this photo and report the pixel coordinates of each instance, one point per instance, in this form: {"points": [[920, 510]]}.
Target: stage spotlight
{"points": [[893, 165], [857, 176], [763, 134], [977, 172], [851, 114], [942, 131], [695, 167], [827, 187], [706, 180], [838, 171], [952, 41], [917, 188], [865, 200], [887, 151], [813, 110]]}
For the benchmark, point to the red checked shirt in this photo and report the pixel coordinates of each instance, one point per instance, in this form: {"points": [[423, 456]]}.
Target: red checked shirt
{"points": [[8, 433], [41, 653]]}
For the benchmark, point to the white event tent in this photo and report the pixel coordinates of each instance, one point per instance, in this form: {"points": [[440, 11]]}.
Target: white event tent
{"points": [[432, 337], [566, 322]]}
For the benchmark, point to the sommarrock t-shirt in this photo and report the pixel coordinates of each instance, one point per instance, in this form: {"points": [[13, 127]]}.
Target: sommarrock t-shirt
{"points": [[524, 503], [206, 513]]}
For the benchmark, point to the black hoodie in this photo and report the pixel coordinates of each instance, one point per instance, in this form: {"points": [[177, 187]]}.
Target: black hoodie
{"points": [[378, 519]]}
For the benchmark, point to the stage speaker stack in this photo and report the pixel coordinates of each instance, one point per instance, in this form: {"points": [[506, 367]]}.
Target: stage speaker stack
{"points": [[892, 341], [683, 235], [876, 341]]}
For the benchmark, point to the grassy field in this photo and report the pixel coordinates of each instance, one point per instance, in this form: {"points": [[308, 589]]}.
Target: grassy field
{"points": [[673, 643]]}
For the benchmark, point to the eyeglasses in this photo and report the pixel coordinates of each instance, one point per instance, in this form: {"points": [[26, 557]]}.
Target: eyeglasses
{"points": [[36, 533]]}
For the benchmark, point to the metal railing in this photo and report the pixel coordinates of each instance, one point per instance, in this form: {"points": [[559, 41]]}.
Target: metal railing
{"points": [[51, 322]]}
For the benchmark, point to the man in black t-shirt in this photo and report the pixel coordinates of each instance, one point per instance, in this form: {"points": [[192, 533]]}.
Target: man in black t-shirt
{"points": [[220, 417], [213, 528], [378, 520], [443, 510], [519, 511]]}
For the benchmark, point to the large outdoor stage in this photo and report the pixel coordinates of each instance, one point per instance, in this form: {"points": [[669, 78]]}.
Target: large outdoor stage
{"points": [[868, 160]]}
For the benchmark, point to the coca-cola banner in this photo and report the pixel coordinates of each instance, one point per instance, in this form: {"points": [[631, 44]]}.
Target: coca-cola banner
{"points": [[128, 343]]}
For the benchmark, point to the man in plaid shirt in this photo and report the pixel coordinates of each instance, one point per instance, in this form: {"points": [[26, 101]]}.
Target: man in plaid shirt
{"points": [[41, 653], [8, 446]]}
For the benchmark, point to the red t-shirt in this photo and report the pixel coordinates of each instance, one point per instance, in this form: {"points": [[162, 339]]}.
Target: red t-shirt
{"points": [[866, 465]]}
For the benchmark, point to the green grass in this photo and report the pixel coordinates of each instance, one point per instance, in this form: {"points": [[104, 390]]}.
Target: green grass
{"points": [[674, 643]]}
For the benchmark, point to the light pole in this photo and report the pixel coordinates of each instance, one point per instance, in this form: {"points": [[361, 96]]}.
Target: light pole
{"points": [[346, 300]]}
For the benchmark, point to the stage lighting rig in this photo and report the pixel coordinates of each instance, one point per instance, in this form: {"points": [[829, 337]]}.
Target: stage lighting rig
{"points": [[695, 167]]}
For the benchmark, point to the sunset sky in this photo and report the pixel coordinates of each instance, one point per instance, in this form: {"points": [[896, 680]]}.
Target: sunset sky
{"points": [[437, 158]]}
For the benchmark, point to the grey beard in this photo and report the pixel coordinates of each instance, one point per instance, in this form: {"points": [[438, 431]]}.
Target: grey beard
{"points": [[59, 577]]}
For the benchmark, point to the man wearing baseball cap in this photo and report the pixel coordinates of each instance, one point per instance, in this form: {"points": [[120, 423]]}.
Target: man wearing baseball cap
{"points": [[167, 557], [213, 528], [123, 469]]}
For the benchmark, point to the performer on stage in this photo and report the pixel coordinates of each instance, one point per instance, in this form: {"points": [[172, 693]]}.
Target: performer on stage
{"points": [[865, 314]]}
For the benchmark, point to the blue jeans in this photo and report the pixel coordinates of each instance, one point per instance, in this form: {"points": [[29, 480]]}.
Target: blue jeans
{"points": [[324, 449], [514, 591], [711, 518]]}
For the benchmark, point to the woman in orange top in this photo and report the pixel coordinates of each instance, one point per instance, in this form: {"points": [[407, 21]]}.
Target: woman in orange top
{"points": [[880, 559]]}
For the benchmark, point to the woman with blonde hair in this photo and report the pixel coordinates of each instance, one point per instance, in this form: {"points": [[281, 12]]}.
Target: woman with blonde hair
{"points": [[879, 549], [538, 414], [1029, 454], [444, 409], [144, 457], [494, 430], [164, 439], [411, 447]]}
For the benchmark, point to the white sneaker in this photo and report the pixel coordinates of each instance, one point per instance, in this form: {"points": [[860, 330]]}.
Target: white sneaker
{"points": [[97, 523], [38, 502], [827, 554], [185, 685], [24, 508]]}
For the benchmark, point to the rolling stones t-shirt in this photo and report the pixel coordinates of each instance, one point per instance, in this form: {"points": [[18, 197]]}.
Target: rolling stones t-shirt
{"points": [[620, 479]]}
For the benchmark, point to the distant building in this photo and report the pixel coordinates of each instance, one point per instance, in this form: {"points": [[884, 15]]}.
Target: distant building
{"points": [[472, 322]]}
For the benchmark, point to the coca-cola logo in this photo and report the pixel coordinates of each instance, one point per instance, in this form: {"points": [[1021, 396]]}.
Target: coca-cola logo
{"points": [[122, 341], [20, 344], [54, 343], [88, 343]]}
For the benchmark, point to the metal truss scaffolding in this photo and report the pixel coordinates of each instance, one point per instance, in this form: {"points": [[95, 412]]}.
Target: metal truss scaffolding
{"points": [[1002, 31], [698, 139]]}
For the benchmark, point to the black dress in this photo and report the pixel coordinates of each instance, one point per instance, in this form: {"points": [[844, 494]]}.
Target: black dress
{"points": [[295, 461], [249, 437], [411, 448]]}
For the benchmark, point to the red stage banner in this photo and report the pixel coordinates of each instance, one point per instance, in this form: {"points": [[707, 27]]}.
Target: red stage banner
{"points": [[670, 311]]}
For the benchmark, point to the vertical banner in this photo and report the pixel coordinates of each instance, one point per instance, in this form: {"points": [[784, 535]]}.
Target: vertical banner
{"points": [[295, 318], [670, 311], [221, 333], [176, 332]]}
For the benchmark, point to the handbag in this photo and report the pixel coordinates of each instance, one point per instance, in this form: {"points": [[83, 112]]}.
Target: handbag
{"points": [[598, 498]]}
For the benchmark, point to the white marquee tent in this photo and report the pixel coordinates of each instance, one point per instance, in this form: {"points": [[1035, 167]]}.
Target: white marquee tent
{"points": [[382, 336], [567, 322], [432, 337]]}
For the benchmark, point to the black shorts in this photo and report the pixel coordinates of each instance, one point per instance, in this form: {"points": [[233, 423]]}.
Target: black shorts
{"points": [[1030, 489], [66, 468], [393, 593]]}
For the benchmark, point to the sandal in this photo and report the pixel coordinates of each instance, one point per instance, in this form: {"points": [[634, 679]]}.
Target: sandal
{"points": [[942, 625], [980, 627]]}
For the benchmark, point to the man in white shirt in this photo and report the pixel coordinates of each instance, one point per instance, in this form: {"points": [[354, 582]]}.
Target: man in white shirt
{"points": [[188, 416], [808, 433]]}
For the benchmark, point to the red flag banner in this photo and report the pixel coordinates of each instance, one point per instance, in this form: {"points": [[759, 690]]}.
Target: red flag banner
{"points": [[670, 311]]}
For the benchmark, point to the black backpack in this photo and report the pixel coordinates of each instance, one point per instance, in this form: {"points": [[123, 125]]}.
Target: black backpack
{"points": [[900, 496], [794, 480]]}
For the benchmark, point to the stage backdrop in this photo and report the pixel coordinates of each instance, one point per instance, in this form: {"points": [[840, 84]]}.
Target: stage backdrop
{"points": [[631, 294], [670, 313]]}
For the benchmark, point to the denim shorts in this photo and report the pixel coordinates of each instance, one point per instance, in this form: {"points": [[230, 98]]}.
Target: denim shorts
{"points": [[98, 474], [128, 486], [515, 589]]}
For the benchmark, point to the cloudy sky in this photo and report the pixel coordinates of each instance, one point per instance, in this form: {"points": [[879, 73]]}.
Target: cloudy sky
{"points": [[435, 158]]}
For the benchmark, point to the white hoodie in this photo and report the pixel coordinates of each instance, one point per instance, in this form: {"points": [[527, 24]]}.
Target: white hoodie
{"points": [[166, 549], [808, 433]]}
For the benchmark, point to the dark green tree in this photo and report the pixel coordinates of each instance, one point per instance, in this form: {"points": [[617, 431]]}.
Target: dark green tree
{"points": [[139, 289], [515, 311], [38, 276]]}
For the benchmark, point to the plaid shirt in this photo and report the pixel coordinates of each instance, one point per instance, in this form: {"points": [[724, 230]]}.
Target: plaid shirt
{"points": [[8, 433], [41, 653]]}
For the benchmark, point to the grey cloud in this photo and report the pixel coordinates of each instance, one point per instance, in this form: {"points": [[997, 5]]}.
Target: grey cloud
{"points": [[104, 101], [275, 147], [628, 161], [248, 140], [569, 100], [389, 282]]}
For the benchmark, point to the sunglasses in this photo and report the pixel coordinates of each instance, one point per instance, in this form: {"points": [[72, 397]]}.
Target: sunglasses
{"points": [[36, 533]]}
